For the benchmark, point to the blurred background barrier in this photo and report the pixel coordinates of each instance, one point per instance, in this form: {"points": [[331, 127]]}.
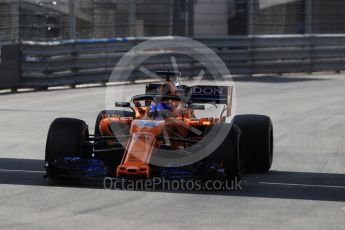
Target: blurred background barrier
{"points": [[46, 20], [87, 61], [10, 66], [69, 39]]}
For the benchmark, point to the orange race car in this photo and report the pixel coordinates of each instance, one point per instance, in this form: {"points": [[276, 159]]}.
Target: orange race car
{"points": [[160, 134]]}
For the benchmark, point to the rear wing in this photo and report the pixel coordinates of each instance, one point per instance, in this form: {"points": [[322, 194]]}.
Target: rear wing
{"points": [[212, 95], [203, 94]]}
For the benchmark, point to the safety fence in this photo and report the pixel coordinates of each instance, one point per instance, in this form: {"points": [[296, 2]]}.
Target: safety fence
{"points": [[72, 62], [83, 61]]}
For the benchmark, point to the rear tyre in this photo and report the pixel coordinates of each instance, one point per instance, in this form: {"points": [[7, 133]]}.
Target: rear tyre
{"points": [[257, 131], [66, 137]]}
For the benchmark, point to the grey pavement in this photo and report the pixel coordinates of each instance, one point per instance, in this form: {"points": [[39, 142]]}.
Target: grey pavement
{"points": [[304, 190]]}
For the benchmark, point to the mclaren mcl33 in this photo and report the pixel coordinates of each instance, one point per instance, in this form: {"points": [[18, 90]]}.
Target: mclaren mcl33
{"points": [[163, 133]]}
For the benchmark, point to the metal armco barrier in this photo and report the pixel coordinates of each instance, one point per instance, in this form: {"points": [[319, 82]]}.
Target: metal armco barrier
{"points": [[74, 62], [9, 66]]}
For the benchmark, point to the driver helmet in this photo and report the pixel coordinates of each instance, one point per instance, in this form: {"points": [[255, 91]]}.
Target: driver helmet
{"points": [[168, 88]]}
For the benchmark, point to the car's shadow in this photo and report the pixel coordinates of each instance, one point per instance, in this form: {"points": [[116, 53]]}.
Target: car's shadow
{"points": [[276, 184]]}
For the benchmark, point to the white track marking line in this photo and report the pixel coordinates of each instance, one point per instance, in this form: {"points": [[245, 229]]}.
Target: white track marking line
{"points": [[149, 73], [22, 171], [304, 185]]}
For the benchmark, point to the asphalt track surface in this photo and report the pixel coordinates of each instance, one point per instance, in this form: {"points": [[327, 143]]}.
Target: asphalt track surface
{"points": [[304, 190]]}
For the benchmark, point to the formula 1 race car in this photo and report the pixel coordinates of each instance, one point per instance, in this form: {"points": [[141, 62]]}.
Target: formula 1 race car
{"points": [[159, 134]]}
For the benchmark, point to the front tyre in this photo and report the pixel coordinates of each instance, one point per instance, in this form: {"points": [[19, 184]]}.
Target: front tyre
{"points": [[109, 114], [66, 138], [113, 157], [229, 152], [233, 161]]}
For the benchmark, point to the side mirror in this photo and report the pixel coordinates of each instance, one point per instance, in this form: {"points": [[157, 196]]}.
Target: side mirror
{"points": [[197, 107], [123, 104]]}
